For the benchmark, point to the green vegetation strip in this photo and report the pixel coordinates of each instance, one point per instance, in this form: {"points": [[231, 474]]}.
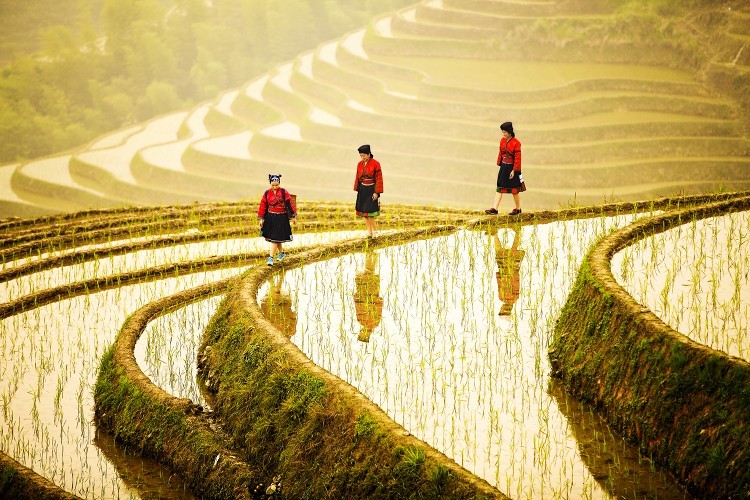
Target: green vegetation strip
{"points": [[685, 404], [322, 221], [173, 430], [295, 420], [54, 294]]}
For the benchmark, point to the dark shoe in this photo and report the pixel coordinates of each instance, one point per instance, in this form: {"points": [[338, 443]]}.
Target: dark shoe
{"points": [[515, 211], [491, 211]]}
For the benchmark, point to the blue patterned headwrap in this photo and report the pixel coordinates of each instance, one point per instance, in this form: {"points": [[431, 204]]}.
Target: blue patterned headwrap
{"points": [[274, 178]]}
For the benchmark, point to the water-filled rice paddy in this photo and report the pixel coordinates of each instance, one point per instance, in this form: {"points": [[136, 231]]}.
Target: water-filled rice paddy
{"points": [[168, 348], [51, 354], [449, 336], [51, 358], [696, 278]]}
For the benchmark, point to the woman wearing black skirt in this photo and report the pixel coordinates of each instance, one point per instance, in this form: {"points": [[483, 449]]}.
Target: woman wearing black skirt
{"points": [[273, 217], [509, 178], [368, 184]]}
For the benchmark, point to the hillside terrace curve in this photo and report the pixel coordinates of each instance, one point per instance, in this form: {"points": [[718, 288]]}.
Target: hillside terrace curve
{"points": [[682, 402], [367, 83]]}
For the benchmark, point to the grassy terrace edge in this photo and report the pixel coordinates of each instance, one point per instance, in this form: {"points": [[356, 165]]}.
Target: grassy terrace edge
{"points": [[296, 420], [685, 404], [176, 432]]}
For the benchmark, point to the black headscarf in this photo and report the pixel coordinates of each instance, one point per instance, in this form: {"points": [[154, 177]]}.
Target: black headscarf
{"points": [[508, 127], [365, 149]]}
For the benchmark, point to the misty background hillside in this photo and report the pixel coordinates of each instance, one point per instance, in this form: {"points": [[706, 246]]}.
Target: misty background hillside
{"points": [[627, 99], [75, 69]]}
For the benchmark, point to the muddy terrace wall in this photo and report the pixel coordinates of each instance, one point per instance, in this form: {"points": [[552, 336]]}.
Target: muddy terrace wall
{"points": [[18, 481], [297, 421], [685, 404]]}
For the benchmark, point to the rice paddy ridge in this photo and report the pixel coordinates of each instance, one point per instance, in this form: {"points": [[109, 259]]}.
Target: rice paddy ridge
{"points": [[35, 244], [349, 401], [327, 212], [372, 85], [681, 401], [71, 289], [616, 208], [179, 227], [125, 346], [427, 215], [190, 444]]}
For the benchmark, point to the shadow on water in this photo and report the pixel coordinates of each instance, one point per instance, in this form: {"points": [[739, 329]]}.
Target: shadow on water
{"points": [[144, 477], [618, 467]]}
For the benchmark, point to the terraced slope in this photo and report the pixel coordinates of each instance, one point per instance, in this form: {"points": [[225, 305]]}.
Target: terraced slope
{"points": [[103, 265], [122, 269], [427, 87]]}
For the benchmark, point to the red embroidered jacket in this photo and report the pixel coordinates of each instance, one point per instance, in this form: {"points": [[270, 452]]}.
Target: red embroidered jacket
{"points": [[274, 202], [510, 152], [368, 174]]}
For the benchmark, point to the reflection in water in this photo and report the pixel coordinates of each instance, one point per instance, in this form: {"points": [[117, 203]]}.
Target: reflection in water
{"points": [[142, 476], [367, 301], [508, 272], [449, 369], [277, 306], [50, 358], [617, 466]]}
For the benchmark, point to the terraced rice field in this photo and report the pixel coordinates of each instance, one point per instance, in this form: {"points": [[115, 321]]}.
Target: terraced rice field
{"points": [[446, 330], [446, 362], [66, 290], [437, 358], [427, 86], [695, 278]]}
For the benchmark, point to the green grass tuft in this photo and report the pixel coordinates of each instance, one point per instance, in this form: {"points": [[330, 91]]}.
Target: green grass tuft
{"points": [[365, 426]]}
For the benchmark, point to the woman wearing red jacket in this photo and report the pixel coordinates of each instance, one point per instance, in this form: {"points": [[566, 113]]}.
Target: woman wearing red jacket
{"points": [[273, 218], [509, 178], [368, 184]]}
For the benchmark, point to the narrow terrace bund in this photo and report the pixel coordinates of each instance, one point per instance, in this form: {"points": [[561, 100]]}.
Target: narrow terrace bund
{"points": [[177, 432], [293, 419], [685, 404], [299, 421]]}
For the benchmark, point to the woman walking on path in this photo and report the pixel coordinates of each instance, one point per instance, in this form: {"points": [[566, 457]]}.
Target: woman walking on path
{"points": [[368, 184], [273, 218], [509, 178]]}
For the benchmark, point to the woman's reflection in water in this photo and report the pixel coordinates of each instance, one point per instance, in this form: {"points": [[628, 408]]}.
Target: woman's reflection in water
{"points": [[277, 307], [367, 301], [508, 272]]}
